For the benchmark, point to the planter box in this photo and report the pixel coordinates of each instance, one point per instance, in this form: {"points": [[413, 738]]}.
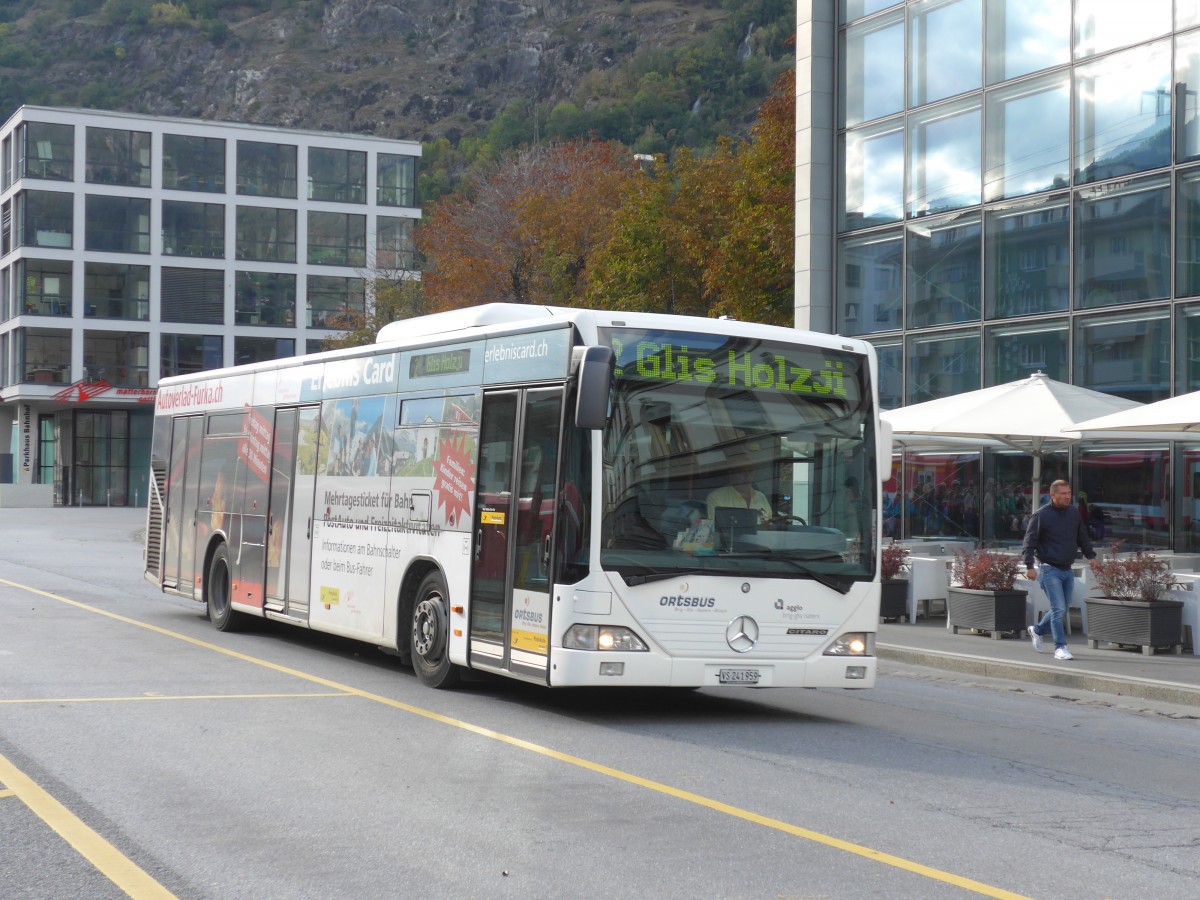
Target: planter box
{"points": [[893, 599], [1135, 622], [993, 611]]}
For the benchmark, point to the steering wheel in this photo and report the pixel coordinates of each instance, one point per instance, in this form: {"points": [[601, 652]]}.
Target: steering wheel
{"points": [[783, 520]]}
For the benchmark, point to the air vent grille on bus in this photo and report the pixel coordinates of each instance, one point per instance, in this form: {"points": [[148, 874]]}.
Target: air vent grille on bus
{"points": [[154, 526]]}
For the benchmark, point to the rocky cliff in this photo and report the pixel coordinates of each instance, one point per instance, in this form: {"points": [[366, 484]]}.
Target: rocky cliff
{"points": [[416, 69]]}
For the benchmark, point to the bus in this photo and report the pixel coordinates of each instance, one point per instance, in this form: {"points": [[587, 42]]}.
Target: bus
{"points": [[563, 496]]}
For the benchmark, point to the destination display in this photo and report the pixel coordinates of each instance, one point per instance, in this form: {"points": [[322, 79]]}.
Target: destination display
{"points": [[738, 363]]}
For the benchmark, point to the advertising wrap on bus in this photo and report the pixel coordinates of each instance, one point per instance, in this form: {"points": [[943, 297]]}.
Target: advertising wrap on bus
{"points": [[568, 497]]}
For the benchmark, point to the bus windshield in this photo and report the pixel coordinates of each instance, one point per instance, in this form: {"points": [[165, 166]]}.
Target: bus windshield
{"points": [[737, 456]]}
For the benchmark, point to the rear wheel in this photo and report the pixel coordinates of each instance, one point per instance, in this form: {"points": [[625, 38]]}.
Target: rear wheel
{"points": [[430, 639], [218, 593]]}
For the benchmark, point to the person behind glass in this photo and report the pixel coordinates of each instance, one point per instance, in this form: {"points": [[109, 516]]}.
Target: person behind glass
{"points": [[1054, 533], [740, 493]]}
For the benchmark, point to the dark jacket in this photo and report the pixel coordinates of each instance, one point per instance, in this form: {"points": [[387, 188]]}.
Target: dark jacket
{"points": [[1054, 534]]}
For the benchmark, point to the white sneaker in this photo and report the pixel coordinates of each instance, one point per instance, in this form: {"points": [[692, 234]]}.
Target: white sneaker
{"points": [[1036, 638], [1062, 653]]}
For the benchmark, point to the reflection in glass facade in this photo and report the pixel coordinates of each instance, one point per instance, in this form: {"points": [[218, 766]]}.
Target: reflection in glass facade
{"points": [[1028, 199], [943, 271], [1027, 258]]}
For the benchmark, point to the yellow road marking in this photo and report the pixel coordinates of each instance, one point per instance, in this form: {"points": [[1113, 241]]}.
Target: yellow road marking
{"points": [[113, 864], [4, 794], [179, 697], [816, 837]]}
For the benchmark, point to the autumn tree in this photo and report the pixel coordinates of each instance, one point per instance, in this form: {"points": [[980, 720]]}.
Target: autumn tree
{"points": [[525, 230], [751, 271]]}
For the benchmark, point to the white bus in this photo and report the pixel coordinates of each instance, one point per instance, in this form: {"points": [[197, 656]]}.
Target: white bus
{"points": [[563, 496]]}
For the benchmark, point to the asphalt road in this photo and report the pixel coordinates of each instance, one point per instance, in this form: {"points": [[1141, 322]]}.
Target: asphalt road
{"points": [[144, 753]]}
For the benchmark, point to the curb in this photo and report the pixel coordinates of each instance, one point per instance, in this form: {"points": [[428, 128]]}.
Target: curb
{"points": [[1078, 679]]}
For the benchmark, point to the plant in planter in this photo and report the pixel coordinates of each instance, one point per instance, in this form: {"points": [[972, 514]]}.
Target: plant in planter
{"points": [[1134, 609], [893, 593], [982, 597]]}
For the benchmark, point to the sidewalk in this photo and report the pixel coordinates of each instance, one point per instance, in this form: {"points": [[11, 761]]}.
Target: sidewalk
{"points": [[1164, 677]]}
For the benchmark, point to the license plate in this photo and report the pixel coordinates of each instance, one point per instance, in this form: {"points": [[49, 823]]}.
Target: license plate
{"points": [[738, 676]]}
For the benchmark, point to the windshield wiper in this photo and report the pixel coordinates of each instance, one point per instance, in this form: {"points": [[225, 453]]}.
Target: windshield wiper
{"points": [[839, 583], [632, 580]]}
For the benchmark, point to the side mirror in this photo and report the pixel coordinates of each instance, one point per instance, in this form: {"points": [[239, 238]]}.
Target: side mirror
{"points": [[594, 375], [883, 450]]}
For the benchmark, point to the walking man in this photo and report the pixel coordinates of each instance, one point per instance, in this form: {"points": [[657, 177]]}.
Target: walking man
{"points": [[1055, 532]]}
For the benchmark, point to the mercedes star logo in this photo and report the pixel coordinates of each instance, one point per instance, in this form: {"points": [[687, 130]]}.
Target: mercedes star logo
{"points": [[742, 634]]}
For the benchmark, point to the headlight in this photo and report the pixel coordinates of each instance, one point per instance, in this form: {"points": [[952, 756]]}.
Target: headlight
{"points": [[856, 643], [601, 637]]}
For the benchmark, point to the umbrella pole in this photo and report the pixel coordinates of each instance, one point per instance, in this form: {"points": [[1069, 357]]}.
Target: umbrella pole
{"points": [[1037, 483]]}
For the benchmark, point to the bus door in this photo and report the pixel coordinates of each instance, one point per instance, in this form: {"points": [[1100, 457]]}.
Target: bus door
{"points": [[514, 522], [290, 510], [183, 490]]}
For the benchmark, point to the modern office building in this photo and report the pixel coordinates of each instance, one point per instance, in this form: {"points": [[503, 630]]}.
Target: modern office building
{"points": [[990, 188], [135, 247]]}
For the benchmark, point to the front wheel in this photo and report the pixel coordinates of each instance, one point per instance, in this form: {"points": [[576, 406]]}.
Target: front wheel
{"points": [[430, 643], [218, 593]]}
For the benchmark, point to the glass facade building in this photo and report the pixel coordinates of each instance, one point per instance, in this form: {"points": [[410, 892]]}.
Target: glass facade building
{"points": [[133, 248], [991, 188]]}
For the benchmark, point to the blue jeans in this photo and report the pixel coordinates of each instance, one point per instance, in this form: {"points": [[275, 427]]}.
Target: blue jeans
{"points": [[1058, 585]]}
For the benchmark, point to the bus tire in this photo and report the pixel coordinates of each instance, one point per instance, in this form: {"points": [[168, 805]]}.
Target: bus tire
{"points": [[429, 639], [218, 592]]}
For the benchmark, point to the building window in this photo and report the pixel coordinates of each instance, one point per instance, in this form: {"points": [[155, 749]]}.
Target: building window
{"points": [[943, 271], [193, 163], [396, 180], [117, 224], [102, 442], [265, 298], [44, 219], [330, 297], [193, 295], [1018, 351], [116, 291], [266, 234], [942, 365], [46, 442], [872, 164], [1187, 234], [1187, 86], [183, 354], [48, 151], [935, 26], [1130, 489], [193, 229], [1123, 113], [266, 170], [43, 355], [118, 157], [1028, 137], [337, 239], [945, 157], [339, 175], [1027, 263], [261, 349], [1101, 25], [1187, 350], [119, 357], [314, 345], [872, 61], [1135, 216], [871, 270], [44, 287], [1128, 355], [394, 243], [1026, 35]]}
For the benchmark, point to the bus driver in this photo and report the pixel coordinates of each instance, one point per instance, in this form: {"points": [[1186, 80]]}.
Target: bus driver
{"points": [[740, 493]]}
